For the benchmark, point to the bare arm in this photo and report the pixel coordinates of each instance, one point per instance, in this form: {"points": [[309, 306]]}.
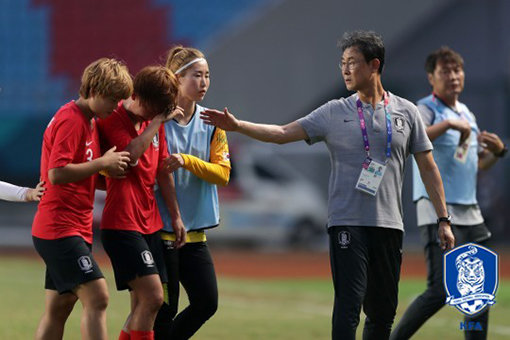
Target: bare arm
{"points": [[432, 179], [167, 186], [138, 145], [71, 172], [439, 129], [486, 160], [279, 134]]}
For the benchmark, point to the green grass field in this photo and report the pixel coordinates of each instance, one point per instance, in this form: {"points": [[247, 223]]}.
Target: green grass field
{"points": [[249, 309]]}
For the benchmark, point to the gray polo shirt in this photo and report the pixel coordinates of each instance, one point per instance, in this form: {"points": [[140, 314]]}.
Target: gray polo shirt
{"points": [[337, 124]]}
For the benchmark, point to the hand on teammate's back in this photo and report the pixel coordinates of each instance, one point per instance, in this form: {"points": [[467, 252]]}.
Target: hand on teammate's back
{"points": [[116, 163], [36, 193]]}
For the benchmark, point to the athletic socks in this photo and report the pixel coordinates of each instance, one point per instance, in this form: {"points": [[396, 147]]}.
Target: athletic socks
{"points": [[142, 335]]}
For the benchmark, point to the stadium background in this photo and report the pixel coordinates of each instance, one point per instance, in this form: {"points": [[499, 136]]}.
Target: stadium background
{"points": [[271, 61]]}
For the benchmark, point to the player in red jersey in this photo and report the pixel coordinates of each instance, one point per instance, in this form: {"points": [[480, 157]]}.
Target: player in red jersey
{"points": [[131, 222], [62, 227]]}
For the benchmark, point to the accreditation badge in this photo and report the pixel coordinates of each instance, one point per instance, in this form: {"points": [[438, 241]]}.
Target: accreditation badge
{"points": [[461, 152], [371, 175]]}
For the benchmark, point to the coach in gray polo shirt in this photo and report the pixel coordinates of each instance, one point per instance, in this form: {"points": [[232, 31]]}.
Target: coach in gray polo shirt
{"points": [[369, 136]]}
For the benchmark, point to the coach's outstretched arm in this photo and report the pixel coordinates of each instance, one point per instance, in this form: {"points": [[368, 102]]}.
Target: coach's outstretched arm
{"points": [[434, 184], [279, 134]]}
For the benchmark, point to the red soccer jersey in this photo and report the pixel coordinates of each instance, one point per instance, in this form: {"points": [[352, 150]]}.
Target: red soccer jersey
{"points": [[66, 209], [130, 202]]}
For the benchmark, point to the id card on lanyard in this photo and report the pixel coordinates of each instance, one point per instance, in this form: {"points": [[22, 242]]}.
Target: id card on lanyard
{"points": [[461, 152], [372, 171]]}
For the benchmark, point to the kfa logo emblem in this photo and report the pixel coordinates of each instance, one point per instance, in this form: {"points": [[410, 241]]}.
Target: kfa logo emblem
{"points": [[344, 239], [85, 264], [399, 124], [147, 258], [471, 278]]}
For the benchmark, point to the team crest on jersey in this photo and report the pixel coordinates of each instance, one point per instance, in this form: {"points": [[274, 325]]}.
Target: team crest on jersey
{"points": [[399, 123], [470, 278], [85, 264], [226, 156], [344, 239], [155, 140], [147, 258]]}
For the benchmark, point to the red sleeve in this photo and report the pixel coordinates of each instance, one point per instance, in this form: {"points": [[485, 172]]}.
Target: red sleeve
{"points": [[67, 142], [113, 132], [163, 150]]}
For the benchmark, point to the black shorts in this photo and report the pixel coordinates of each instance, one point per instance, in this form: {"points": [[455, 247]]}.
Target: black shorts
{"points": [[133, 255], [69, 262]]}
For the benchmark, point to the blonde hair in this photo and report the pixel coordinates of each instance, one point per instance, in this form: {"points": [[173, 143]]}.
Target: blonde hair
{"points": [[179, 56], [107, 78], [156, 88]]}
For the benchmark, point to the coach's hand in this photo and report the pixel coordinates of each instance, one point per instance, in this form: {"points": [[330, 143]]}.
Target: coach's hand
{"points": [[492, 141], [446, 236], [180, 232], [463, 127], [224, 120]]}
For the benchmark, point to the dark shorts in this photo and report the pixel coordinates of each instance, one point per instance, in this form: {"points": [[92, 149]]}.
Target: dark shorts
{"points": [[133, 255], [69, 262]]}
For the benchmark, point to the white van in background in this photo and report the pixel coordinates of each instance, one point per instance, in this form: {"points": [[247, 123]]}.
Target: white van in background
{"points": [[272, 199]]}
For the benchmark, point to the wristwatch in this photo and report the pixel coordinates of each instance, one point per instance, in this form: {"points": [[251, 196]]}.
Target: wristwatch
{"points": [[447, 219], [502, 153]]}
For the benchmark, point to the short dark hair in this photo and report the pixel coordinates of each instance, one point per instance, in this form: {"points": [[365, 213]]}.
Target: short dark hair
{"points": [[445, 55], [156, 87], [369, 43]]}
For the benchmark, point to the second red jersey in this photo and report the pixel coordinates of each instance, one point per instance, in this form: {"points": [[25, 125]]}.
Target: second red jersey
{"points": [[66, 209], [130, 202]]}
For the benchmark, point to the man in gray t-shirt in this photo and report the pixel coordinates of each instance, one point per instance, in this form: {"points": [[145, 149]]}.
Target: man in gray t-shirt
{"points": [[369, 135], [337, 124]]}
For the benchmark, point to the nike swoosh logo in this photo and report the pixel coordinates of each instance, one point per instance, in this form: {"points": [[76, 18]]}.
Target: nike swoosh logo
{"points": [[348, 120], [88, 143]]}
